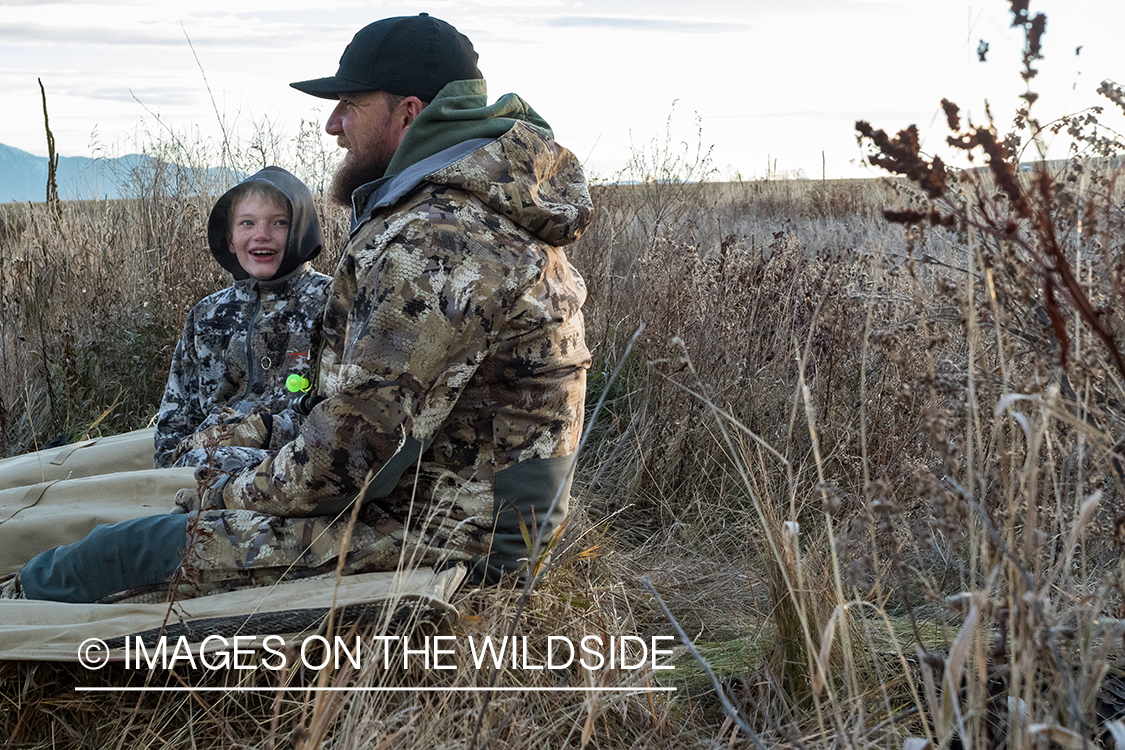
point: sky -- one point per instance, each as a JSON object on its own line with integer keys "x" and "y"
{"x": 766, "y": 87}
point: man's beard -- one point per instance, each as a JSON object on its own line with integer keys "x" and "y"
{"x": 353, "y": 173}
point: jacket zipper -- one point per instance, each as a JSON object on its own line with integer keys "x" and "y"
{"x": 251, "y": 365}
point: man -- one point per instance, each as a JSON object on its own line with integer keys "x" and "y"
{"x": 452, "y": 371}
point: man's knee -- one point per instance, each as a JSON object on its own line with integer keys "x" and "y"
{"x": 111, "y": 558}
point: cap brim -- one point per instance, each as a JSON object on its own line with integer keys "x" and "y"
{"x": 331, "y": 87}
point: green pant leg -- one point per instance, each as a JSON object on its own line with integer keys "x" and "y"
{"x": 51, "y": 514}
{"x": 112, "y": 558}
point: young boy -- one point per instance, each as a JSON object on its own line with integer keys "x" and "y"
{"x": 237, "y": 348}
{"x": 240, "y": 345}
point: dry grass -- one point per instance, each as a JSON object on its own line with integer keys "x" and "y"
{"x": 868, "y": 465}
{"x": 773, "y": 456}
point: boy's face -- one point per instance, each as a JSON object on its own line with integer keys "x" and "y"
{"x": 259, "y": 228}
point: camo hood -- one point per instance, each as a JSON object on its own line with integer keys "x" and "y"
{"x": 503, "y": 154}
{"x": 306, "y": 238}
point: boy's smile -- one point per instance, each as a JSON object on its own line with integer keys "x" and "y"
{"x": 259, "y": 229}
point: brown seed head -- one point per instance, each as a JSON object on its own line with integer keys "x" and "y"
{"x": 952, "y": 114}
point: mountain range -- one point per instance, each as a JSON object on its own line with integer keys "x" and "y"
{"x": 23, "y": 176}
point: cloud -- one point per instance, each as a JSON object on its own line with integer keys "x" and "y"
{"x": 149, "y": 96}
{"x": 34, "y": 34}
{"x": 164, "y": 35}
{"x": 151, "y": 90}
{"x": 41, "y": 4}
{"x": 873, "y": 116}
{"x": 637, "y": 23}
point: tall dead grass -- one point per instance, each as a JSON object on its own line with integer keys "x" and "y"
{"x": 92, "y": 300}
{"x": 871, "y": 467}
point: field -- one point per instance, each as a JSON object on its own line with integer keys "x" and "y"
{"x": 867, "y": 464}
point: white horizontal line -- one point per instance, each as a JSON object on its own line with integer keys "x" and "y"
{"x": 182, "y": 689}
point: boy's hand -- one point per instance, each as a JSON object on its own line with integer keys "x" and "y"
{"x": 244, "y": 430}
{"x": 188, "y": 501}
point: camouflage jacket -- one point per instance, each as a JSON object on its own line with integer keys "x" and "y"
{"x": 237, "y": 348}
{"x": 240, "y": 344}
{"x": 454, "y": 361}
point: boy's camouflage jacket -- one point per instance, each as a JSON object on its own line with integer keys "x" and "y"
{"x": 240, "y": 344}
{"x": 453, "y": 370}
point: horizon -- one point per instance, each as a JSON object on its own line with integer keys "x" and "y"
{"x": 614, "y": 84}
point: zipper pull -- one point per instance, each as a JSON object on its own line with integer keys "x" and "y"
{"x": 297, "y": 384}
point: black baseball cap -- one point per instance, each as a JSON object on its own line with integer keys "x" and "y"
{"x": 407, "y": 55}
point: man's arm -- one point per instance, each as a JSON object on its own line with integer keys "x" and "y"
{"x": 415, "y": 318}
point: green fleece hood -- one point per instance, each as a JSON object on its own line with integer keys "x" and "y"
{"x": 458, "y": 113}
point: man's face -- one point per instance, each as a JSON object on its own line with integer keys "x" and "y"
{"x": 370, "y": 130}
